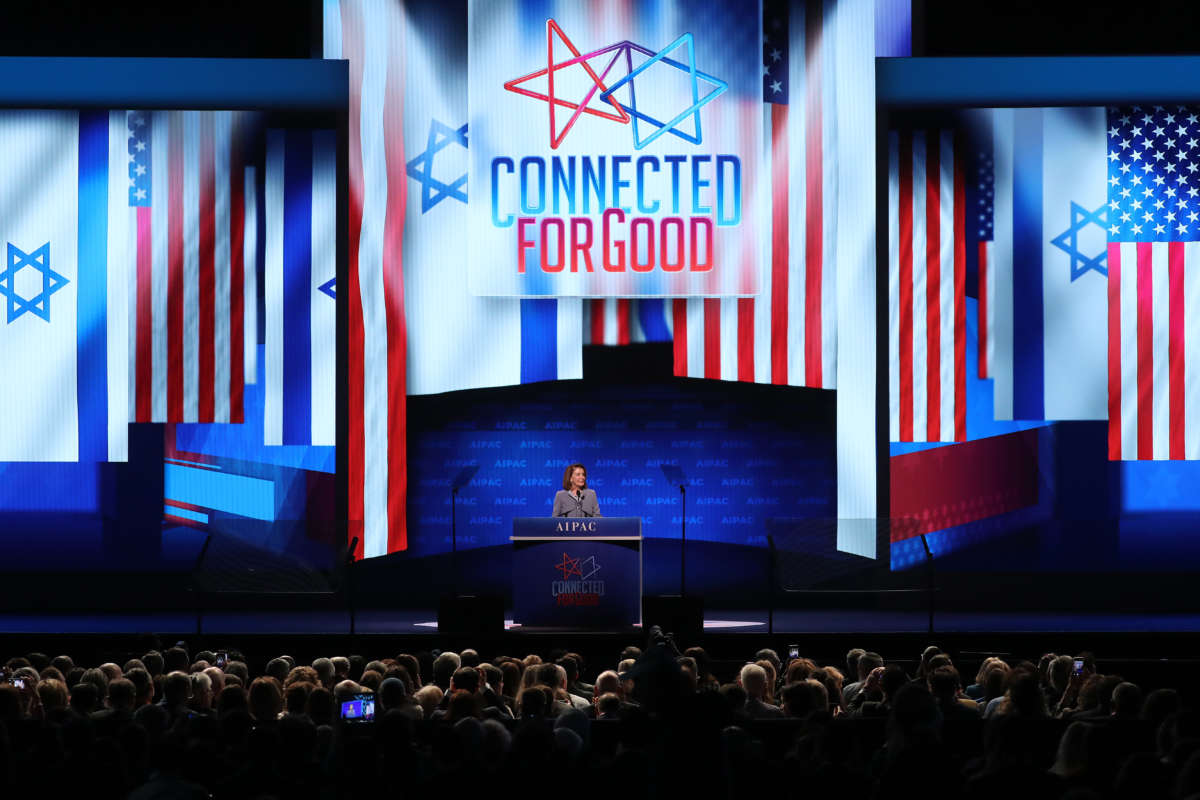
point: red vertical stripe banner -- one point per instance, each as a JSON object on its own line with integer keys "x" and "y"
{"x": 624, "y": 325}
{"x": 143, "y": 366}
{"x": 393, "y": 288}
{"x": 237, "y": 275}
{"x": 814, "y": 235}
{"x": 984, "y": 332}
{"x": 905, "y": 281}
{"x": 206, "y": 296}
{"x": 712, "y": 338}
{"x": 1114, "y": 351}
{"x": 679, "y": 337}
{"x": 745, "y": 340}
{"x": 352, "y": 33}
{"x": 779, "y": 246}
{"x": 933, "y": 286}
{"x": 175, "y": 268}
{"x": 960, "y": 293}
{"x": 1145, "y": 350}
{"x": 1178, "y": 413}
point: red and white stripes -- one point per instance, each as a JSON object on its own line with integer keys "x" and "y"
{"x": 187, "y": 350}
{"x": 986, "y": 308}
{"x": 1153, "y": 350}
{"x": 787, "y": 334}
{"x": 926, "y": 277}
{"x": 371, "y": 36}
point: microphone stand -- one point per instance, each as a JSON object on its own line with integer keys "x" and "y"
{"x": 682, "y": 540}
{"x": 460, "y": 480}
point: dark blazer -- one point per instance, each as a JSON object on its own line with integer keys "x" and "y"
{"x": 566, "y": 504}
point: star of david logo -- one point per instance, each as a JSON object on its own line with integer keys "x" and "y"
{"x": 569, "y": 566}
{"x": 697, "y": 101}
{"x": 329, "y": 288}
{"x": 39, "y": 304}
{"x": 1068, "y": 241}
{"x": 622, "y": 114}
{"x": 434, "y": 191}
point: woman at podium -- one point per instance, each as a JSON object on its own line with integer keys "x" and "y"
{"x": 575, "y": 499}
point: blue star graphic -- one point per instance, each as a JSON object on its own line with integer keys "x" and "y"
{"x": 39, "y": 304}
{"x": 434, "y": 191}
{"x": 329, "y": 287}
{"x": 693, "y": 110}
{"x": 1068, "y": 241}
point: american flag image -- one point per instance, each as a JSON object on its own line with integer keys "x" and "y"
{"x": 786, "y": 334}
{"x": 186, "y": 189}
{"x": 926, "y": 286}
{"x": 1153, "y": 282}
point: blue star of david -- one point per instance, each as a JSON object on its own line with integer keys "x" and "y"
{"x": 39, "y": 304}
{"x": 1068, "y": 241}
{"x": 329, "y": 287}
{"x": 420, "y": 168}
{"x": 693, "y": 110}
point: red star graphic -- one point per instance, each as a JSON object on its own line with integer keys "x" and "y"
{"x": 557, "y": 137}
{"x": 569, "y": 567}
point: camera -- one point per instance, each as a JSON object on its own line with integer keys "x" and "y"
{"x": 359, "y": 708}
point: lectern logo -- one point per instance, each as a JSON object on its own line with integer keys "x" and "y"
{"x": 579, "y": 586}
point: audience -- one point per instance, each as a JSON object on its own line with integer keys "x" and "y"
{"x": 171, "y": 724}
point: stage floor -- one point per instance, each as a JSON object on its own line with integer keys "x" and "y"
{"x": 418, "y": 621}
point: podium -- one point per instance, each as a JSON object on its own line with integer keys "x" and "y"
{"x": 582, "y": 573}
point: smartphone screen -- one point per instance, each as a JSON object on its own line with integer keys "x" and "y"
{"x": 19, "y": 683}
{"x": 222, "y": 660}
{"x": 359, "y": 708}
{"x": 793, "y": 651}
{"x": 1078, "y": 668}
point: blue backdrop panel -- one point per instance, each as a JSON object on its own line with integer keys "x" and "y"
{"x": 749, "y": 453}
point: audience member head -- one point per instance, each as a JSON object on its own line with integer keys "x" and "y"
{"x": 443, "y": 669}
{"x": 111, "y": 671}
{"x": 265, "y": 699}
{"x": 341, "y": 667}
{"x": 98, "y": 679}
{"x": 391, "y": 694}
{"x": 607, "y": 682}
{"x": 295, "y": 696}
{"x": 768, "y": 654}
{"x": 177, "y": 689}
{"x": 753, "y": 679}
{"x": 175, "y": 659}
{"x": 512, "y": 679}
{"x": 52, "y": 694}
{"x": 278, "y": 669}
{"x": 84, "y": 698}
{"x": 122, "y": 695}
{"x": 469, "y": 658}
{"x": 410, "y": 663}
{"x": 202, "y": 691}
{"x": 944, "y": 684}
{"x": 320, "y": 706}
{"x": 154, "y": 662}
{"x": 1160, "y": 704}
{"x": 428, "y": 697}
{"x": 232, "y": 699}
{"x": 324, "y": 669}
{"x": 1126, "y": 700}
{"x": 804, "y": 697}
{"x": 465, "y": 679}
{"x": 867, "y": 662}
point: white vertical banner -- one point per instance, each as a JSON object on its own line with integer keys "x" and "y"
{"x": 39, "y": 200}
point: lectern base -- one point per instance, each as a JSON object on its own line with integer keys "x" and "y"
{"x": 682, "y": 615}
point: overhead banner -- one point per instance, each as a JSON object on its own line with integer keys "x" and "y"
{"x": 615, "y": 148}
